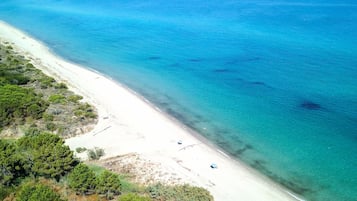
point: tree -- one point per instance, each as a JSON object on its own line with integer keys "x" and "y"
{"x": 48, "y": 155}
{"x": 11, "y": 163}
{"x": 133, "y": 197}
{"x": 18, "y": 102}
{"x": 8, "y": 77}
{"x": 82, "y": 179}
{"x": 53, "y": 162}
{"x": 37, "y": 192}
{"x": 108, "y": 184}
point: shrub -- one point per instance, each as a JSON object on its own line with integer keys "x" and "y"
{"x": 60, "y": 130}
{"x": 75, "y": 98}
{"x": 82, "y": 179}
{"x": 95, "y": 154}
{"x": 133, "y": 197}
{"x": 47, "y": 117}
{"x": 99, "y": 152}
{"x": 81, "y": 149}
{"x": 5, "y": 191}
{"x": 61, "y": 86}
{"x": 13, "y": 78}
{"x": 35, "y": 111}
{"x": 78, "y": 113}
{"x": 57, "y": 98}
{"x": 32, "y": 131}
{"x": 50, "y": 126}
{"x": 37, "y": 192}
{"x": 85, "y": 110}
{"x": 108, "y": 184}
{"x": 179, "y": 192}
{"x": 46, "y": 82}
{"x": 90, "y": 115}
{"x": 29, "y": 65}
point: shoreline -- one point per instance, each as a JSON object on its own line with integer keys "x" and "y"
{"x": 132, "y": 124}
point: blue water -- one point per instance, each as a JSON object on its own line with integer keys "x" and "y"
{"x": 273, "y": 83}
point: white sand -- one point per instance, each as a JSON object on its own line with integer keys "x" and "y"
{"x": 128, "y": 124}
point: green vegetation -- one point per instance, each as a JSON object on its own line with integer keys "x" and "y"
{"x": 81, "y": 149}
{"x": 60, "y": 86}
{"x": 179, "y": 192}
{"x": 44, "y": 155}
{"x": 37, "y": 192}
{"x": 12, "y": 163}
{"x": 17, "y": 103}
{"x": 85, "y": 111}
{"x": 48, "y": 154}
{"x": 126, "y": 185}
{"x": 12, "y": 78}
{"x": 95, "y": 154}
{"x": 32, "y": 131}
{"x": 46, "y": 82}
{"x": 57, "y": 98}
{"x": 108, "y": 184}
{"x": 34, "y": 155}
{"x": 29, "y": 98}
{"x": 5, "y": 191}
{"x": 75, "y": 98}
{"x": 82, "y": 180}
{"x": 47, "y": 117}
{"x": 25, "y": 161}
{"x": 133, "y": 197}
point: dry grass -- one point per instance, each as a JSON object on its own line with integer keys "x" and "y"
{"x": 140, "y": 170}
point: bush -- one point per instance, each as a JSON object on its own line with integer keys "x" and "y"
{"x": 37, "y": 192}
{"x": 95, "y": 154}
{"x": 75, "y": 98}
{"x": 108, "y": 184}
{"x": 32, "y": 131}
{"x": 29, "y": 65}
{"x": 85, "y": 110}
{"x": 35, "y": 111}
{"x": 90, "y": 114}
{"x": 50, "y": 126}
{"x": 61, "y": 86}
{"x": 5, "y": 191}
{"x": 179, "y": 192}
{"x": 81, "y": 149}
{"x": 78, "y": 113}
{"x": 46, "y": 82}
{"x": 82, "y": 179}
{"x": 13, "y": 78}
{"x": 60, "y": 130}
{"x": 133, "y": 197}
{"x": 47, "y": 117}
{"x": 57, "y": 98}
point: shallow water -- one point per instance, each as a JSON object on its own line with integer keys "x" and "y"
{"x": 272, "y": 83}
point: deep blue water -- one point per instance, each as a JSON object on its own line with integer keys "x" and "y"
{"x": 273, "y": 83}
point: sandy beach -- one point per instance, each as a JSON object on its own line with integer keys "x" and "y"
{"x": 130, "y": 125}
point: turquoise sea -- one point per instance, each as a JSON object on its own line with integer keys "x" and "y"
{"x": 273, "y": 83}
